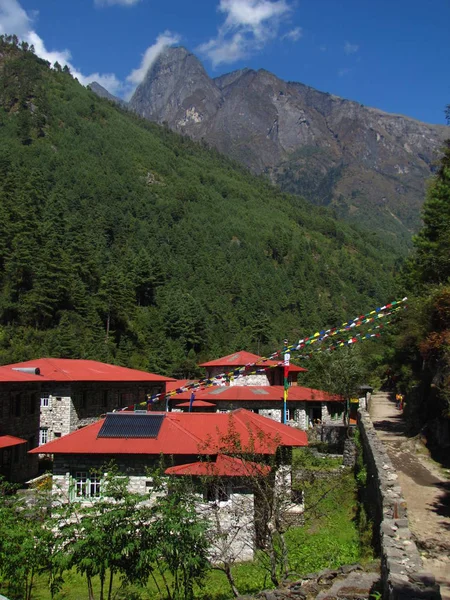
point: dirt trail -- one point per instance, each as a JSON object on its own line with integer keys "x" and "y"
{"x": 426, "y": 489}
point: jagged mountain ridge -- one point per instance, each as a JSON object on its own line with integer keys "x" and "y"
{"x": 369, "y": 165}
{"x": 103, "y": 93}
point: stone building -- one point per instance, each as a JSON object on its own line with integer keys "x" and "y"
{"x": 246, "y": 380}
{"x": 216, "y": 446}
{"x": 19, "y": 420}
{"x": 13, "y": 458}
{"x": 257, "y": 370}
{"x": 74, "y": 393}
{"x": 305, "y": 406}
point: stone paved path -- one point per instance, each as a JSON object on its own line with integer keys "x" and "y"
{"x": 426, "y": 489}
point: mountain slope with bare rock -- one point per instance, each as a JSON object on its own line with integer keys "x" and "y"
{"x": 370, "y": 166}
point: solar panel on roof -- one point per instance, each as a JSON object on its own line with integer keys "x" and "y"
{"x": 123, "y": 425}
{"x": 259, "y": 391}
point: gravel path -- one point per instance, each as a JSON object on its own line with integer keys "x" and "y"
{"x": 426, "y": 489}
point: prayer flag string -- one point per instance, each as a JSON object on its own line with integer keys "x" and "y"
{"x": 317, "y": 338}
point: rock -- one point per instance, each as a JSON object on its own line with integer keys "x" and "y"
{"x": 304, "y": 139}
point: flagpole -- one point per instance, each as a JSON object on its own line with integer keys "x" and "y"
{"x": 287, "y": 357}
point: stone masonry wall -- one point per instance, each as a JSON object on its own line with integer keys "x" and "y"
{"x": 232, "y": 518}
{"x": 402, "y": 570}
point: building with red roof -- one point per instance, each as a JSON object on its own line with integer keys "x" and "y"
{"x": 264, "y": 379}
{"x": 138, "y": 440}
{"x": 246, "y": 380}
{"x": 258, "y": 371}
{"x": 223, "y": 453}
{"x": 47, "y": 398}
{"x": 12, "y": 450}
{"x": 305, "y": 406}
{"x": 19, "y": 418}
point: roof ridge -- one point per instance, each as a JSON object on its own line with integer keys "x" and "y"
{"x": 183, "y": 429}
{"x": 257, "y": 419}
{"x": 56, "y": 368}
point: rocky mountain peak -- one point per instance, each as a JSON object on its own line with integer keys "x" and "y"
{"x": 103, "y": 93}
{"x": 177, "y": 90}
{"x": 369, "y": 165}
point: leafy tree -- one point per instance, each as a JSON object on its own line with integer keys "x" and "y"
{"x": 339, "y": 372}
{"x": 180, "y": 540}
{"x": 25, "y": 541}
{"x": 431, "y": 261}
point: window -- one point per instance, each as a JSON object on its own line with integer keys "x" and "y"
{"x": 127, "y": 398}
{"x": 45, "y": 400}
{"x": 216, "y": 492}
{"x": 43, "y": 435}
{"x": 6, "y": 456}
{"x": 86, "y": 485}
{"x": 57, "y": 434}
{"x": 297, "y": 496}
{"x": 33, "y": 398}
{"x": 18, "y": 405}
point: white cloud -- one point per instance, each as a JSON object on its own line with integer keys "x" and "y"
{"x": 350, "y": 48}
{"x": 294, "y": 34}
{"x": 248, "y": 26}
{"x": 343, "y": 72}
{"x": 162, "y": 41}
{"x": 14, "y": 20}
{"x": 116, "y": 2}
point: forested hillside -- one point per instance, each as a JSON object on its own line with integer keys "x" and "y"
{"x": 124, "y": 242}
{"x": 370, "y": 166}
{"x": 420, "y": 353}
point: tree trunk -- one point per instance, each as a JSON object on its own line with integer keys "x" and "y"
{"x": 273, "y": 559}
{"x": 111, "y": 577}
{"x": 227, "y": 570}
{"x": 284, "y": 555}
{"x": 102, "y": 584}
{"x": 90, "y": 590}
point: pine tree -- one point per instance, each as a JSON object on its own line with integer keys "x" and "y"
{"x": 431, "y": 263}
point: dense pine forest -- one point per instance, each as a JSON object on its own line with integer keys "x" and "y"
{"x": 124, "y": 242}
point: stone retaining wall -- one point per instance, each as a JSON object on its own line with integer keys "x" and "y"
{"x": 401, "y": 566}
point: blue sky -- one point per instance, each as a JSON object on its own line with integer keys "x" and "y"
{"x": 390, "y": 54}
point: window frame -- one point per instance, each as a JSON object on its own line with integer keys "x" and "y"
{"x": 85, "y": 485}
{"x": 43, "y": 430}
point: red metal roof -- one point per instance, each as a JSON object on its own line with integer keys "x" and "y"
{"x": 242, "y": 358}
{"x": 260, "y": 393}
{"x": 223, "y": 466}
{"x": 7, "y": 441}
{"x": 67, "y": 369}
{"x": 185, "y": 433}
{"x": 8, "y": 375}
{"x": 196, "y": 404}
{"x": 174, "y": 384}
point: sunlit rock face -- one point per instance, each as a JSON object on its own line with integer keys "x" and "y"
{"x": 369, "y": 165}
